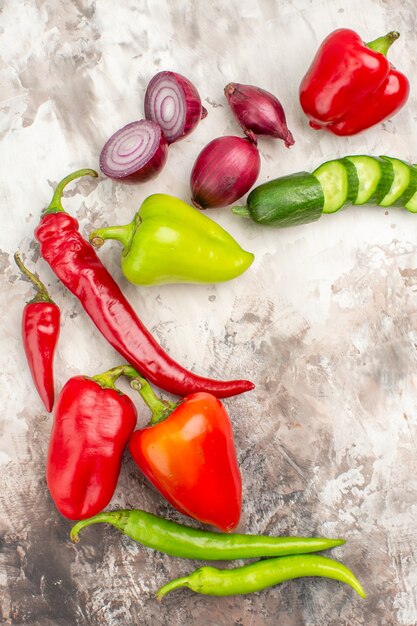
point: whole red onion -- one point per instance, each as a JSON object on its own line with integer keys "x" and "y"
{"x": 135, "y": 153}
{"x": 258, "y": 112}
{"x": 173, "y": 102}
{"x": 224, "y": 171}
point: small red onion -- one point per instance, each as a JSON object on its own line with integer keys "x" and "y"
{"x": 174, "y": 103}
{"x": 135, "y": 153}
{"x": 258, "y": 112}
{"x": 224, "y": 171}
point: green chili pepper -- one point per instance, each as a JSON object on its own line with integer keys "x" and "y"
{"x": 191, "y": 543}
{"x": 169, "y": 241}
{"x": 260, "y": 575}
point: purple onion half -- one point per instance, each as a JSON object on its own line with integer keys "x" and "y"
{"x": 173, "y": 102}
{"x": 135, "y": 153}
{"x": 224, "y": 171}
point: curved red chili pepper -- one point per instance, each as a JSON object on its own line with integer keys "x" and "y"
{"x": 75, "y": 262}
{"x": 92, "y": 424}
{"x": 40, "y": 332}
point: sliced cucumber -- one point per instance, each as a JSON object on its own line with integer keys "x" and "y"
{"x": 339, "y": 182}
{"x": 411, "y": 205}
{"x": 403, "y": 186}
{"x": 285, "y": 201}
{"x": 375, "y": 178}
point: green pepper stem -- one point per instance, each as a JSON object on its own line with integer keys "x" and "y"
{"x": 160, "y": 409}
{"x": 383, "y": 44}
{"x": 55, "y": 206}
{"x": 115, "y": 518}
{"x": 120, "y": 233}
{"x": 42, "y": 294}
{"x": 107, "y": 379}
{"x": 242, "y": 211}
{"x": 173, "y": 584}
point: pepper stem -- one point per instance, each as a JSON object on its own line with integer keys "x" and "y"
{"x": 173, "y": 584}
{"x": 42, "y": 294}
{"x": 242, "y": 211}
{"x": 108, "y": 378}
{"x": 55, "y": 206}
{"x": 160, "y": 409}
{"x": 383, "y": 44}
{"x": 120, "y": 233}
{"x": 115, "y": 518}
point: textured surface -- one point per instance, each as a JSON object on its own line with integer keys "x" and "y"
{"x": 324, "y": 321}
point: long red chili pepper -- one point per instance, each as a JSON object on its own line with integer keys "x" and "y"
{"x": 77, "y": 265}
{"x": 40, "y": 332}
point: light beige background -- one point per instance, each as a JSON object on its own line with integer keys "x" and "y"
{"x": 324, "y": 321}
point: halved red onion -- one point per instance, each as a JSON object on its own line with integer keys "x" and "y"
{"x": 258, "y": 112}
{"x": 173, "y": 102}
{"x": 224, "y": 171}
{"x": 135, "y": 153}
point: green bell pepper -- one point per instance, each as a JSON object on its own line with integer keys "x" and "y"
{"x": 168, "y": 241}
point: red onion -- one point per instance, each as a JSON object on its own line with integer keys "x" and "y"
{"x": 224, "y": 171}
{"x": 136, "y": 152}
{"x": 258, "y": 112}
{"x": 173, "y": 102}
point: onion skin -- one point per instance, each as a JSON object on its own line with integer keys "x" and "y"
{"x": 150, "y": 168}
{"x": 224, "y": 171}
{"x": 193, "y": 110}
{"x": 258, "y": 112}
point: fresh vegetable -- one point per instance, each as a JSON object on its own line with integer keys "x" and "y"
{"x": 224, "y": 171}
{"x": 350, "y": 85}
{"x": 359, "y": 179}
{"x": 40, "y": 333}
{"x": 135, "y": 153}
{"x": 169, "y": 241}
{"x": 173, "y": 102}
{"x": 258, "y": 112}
{"x": 77, "y": 265}
{"x": 187, "y": 452}
{"x": 191, "y": 543}
{"x": 260, "y": 575}
{"x": 92, "y": 424}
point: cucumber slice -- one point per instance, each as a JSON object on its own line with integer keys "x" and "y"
{"x": 375, "y": 178}
{"x": 353, "y": 181}
{"x": 285, "y": 201}
{"x": 411, "y": 205}
{"x": 404, "y": 184}
{"x": 339, "y": 183}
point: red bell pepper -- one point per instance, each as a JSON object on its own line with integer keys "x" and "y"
{"x": 92, "y": 424}
{"x": 350, "y": 85}
{"x": 187, "y": 452}
{"x": 40, "y": 333}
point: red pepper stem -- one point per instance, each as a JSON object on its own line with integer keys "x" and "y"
{"x": 160, "y": 409}
{"x": 383, "y": 44}
{"x": 55, "y": 206}
{"x": 42, "y": 294}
